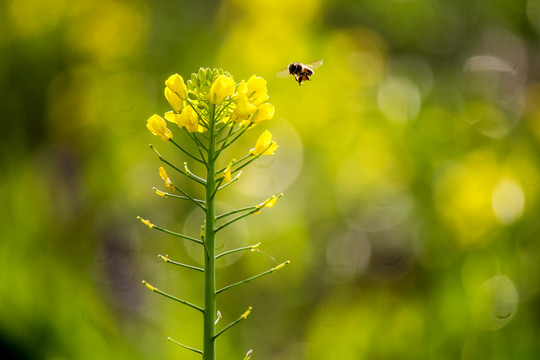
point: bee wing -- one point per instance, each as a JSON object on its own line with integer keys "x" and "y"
{"x": 284, "y": 72}
{"x": 314, "y": 64}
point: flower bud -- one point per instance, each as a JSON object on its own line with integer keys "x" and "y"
{"x": 158, "y": 127}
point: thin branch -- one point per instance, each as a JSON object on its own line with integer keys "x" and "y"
{"x": 156, "y": 290}
{"x": 242, "y": 317}
{"x": 202, "y": 182}
{"x": 236, "y": 162}
{"x": 192, "y": 175}
{"x": 227, "y": 144}
{"x": 221, "y": 216}
{"x": 187, "y": 153}
{"x": 236, "y": 219}
{"x": 270, "y": 271}
{"x": 185, "y": 346}
{"x": 176, "y": 234}
{"x": 167, "y": 260}
{"x": 166, "y": 194}
{"x": 250, "y": 247}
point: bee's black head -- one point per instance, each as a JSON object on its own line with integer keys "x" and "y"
{"x": 293, "y": 68}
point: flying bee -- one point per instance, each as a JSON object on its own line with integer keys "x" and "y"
{"x": 301, "y": 72}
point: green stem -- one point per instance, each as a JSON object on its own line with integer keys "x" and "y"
{"x": 209, "y": 346}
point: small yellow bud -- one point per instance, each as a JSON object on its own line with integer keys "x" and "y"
{"x": 146, "y": 222}
{"x": 221, "y": 88}
{"x": 164, "y": 258}
{"x": 158, "y": 127}
{"x": 280, "y": 266}
{"x": 149, "y": 286}
{"x": 246, "y": 314}
{"x": 255, "y": 247}
{"x": 160, "y": 193}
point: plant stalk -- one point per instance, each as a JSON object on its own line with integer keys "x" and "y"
{"x": 209, "y": 239}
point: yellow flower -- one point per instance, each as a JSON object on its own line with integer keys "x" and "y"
{"x": 264, "y": 145}
{"x": 176, "y": 92}
{"x": 176, "y": 84}
{"x": 189, "y": 119}
{"x": 172, "y": 117}
{"x": 165, "y": 178}
{"x": 158, "y": 127}
{"x": 263, "y": 113}
{"x": 221, "y": 88}
{"x": 243, "y": 108}
{"x": 256, "y": 90}
{"x": 173, "y": 99}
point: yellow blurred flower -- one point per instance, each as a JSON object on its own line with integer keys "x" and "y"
{"x": 264, "y": 145}
{"x": 227, "y": 173}
{"x": 263, "y": 113}
{"x": 246, "y": 314}
{"x": 165, "y": 177}
{"x": 221, "y": 88}
{"x": 158, "y": 127}
{"x": 271, "y": 201}
{"x": 146, "y": 222}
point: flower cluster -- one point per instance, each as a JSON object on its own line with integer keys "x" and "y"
{"x": 243, "y": 104}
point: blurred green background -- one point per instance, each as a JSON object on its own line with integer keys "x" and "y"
{"x": 410, "y": 167}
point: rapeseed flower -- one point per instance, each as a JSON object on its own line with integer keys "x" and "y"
{"x": 264, "y": 145}
{"x": 221, "y": 88}
{"x": 158, "y": 127}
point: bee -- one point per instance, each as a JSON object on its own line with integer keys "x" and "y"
{"x": 301, "y": 72}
